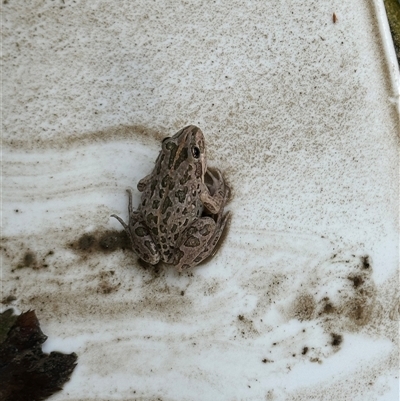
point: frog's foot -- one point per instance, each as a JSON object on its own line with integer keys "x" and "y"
{"x": 199, "y": 241}
{"x": 141, "y": 241}
{"x": 130, "y": 208}
{"x": 143, "y": 183}
{"x": 218, "y": 193}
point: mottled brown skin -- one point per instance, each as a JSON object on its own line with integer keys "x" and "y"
{"x": 170, "y": 223}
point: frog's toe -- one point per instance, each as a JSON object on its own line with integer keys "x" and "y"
{"x": 121, "y": 221}
{"x": 149, "y": 257}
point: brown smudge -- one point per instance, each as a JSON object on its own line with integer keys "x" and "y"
{"x": 101, "y": 241}
{"x": 365, "y": 262}
{"x": 337, "y": 339}
{"x": 123, "y": 133}
{"x": 29, "y": 259}
{"x": 7, "y": 300}
{"x": 304, "y": 307}
{"x": 357, "y": 280}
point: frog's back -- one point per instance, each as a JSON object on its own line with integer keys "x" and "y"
{"x": 171, "y": 199}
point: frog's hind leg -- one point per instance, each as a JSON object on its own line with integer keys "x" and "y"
{"x": 210, "y": 248}
{"x": 199, "y": 241}
{"x": 218, "y": 192}
{"x": 139, "y": 235}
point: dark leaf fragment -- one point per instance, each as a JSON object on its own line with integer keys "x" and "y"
{"x": 26, "y": 373}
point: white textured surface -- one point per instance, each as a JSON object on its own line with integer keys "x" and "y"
{"x": 300, "y": 115}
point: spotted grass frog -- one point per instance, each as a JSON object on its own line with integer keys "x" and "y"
{"x": 180, "y": 217}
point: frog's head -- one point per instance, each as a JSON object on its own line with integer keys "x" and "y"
{"x": 187, "y": 148}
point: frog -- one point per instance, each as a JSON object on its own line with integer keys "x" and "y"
{"x": 180, "y": 218}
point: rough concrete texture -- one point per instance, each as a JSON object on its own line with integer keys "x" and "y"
{"x": 301, "y": 300}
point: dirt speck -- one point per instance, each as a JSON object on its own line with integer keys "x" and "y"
{"x": 337, "y": 339}
{"x": 8, "y": 299}
{"x": 328, "y": 306}
{"x": 266, "y": 360}
{"x": 357, "y": 281}
{"x": 29, "y": 259}
{"x": 365, "y": 262}
{"x": 304, "y": 351}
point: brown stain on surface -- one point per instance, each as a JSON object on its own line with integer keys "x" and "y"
{"x": 246, "y": 327}
{"x": 304, "y": 307}
{"x": 100, "y": 241}
{"x": 67, "y": 142}
{"x": 32, "y": 261}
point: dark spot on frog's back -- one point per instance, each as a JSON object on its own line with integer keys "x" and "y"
{"x": 151, "y": 218}
{"x": 166, "y": 204}
{"x": 156, "y": 204}
{"x": 141, "y": 232}
{"x": 167, "y": 216}
{"x": 181, "y": 194}
{"x": 167, "y": 181}
{"x": 186, "y": 176}
{"x": 153, "y": 186}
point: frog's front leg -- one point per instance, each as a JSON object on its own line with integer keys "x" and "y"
{"x": 199, "y": 241}
{"x": 139, "y": 235}
{"x": 144, "y": 182}
{"x": 215, "y": 195}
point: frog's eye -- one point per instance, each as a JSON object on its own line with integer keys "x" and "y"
{"x": 196, "y": 152}
{"x": 166, "y": 139}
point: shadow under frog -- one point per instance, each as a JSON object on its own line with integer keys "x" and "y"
{"x": 180, "y": 218}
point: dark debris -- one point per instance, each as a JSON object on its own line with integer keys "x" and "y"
{"x": 26, "y": 373}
